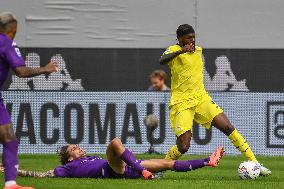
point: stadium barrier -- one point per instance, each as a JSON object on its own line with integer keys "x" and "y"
{"x": 44, "y": 121}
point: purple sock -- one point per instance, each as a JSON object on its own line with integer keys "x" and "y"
{"x": 10, "y": 160}
{"x": 129, "y": 158}
{"x": 183, "y": 166}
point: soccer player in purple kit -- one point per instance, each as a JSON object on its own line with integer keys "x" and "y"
{"x": 10, "y": 57}
{"x": 120, "y": 163}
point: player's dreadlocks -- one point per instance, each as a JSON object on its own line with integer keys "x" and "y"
{"x": 184, "y": 29}
{"x": 63, "y": 154}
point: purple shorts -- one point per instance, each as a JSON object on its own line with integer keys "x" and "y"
{"x": 4, "y": 115}
{"x": 130, "y": 172}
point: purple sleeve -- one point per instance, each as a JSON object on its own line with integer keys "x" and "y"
{"x": 14, "y": 57}
{"x": 61, "y": 171}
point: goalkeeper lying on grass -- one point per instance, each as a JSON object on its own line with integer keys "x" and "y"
{"x": 120, "y": 163}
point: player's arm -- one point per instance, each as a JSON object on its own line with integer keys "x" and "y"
{"x": 37, "y": 174}
{"x": 14, "y": 58}
{"x": 166, "y": 57}
{"x": 25, "y": 173}
{"x": 23, "y": 71}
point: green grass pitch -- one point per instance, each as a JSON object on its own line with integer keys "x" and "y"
{"x": 224, "y": 176}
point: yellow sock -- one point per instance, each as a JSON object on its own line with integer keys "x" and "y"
{"x": 173, "y": 153}
{"x": 241, "y": 144}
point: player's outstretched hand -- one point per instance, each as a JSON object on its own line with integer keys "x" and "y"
{"x": 51, "y": 67}
{"x": 1, "y": 168}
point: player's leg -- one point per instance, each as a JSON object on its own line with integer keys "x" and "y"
{"x": 10, "y": 149}
{"x": 223, "y": 124}
{"x": 182, "y": 146}
{"x": 209, "y": 113}
{"x": 118, "y": 156}
{"x": 157, "y": 165}
{"x": 181, "y": 123}
{"x": 10, "y": 156}
{"x": 114, "y": 152}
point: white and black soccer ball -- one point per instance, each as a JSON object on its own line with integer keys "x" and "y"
{"x": 249, "y": 170}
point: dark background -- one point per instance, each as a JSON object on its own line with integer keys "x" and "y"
{"x": 128, "y": 69}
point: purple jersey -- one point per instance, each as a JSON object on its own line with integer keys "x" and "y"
{"x": 92, "y": 167}
{"x": 10, "y": 57}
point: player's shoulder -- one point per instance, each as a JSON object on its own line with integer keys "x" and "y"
{"x": 172, "y": 48}
{"x": 5, "y": 40}
{"x": 175, "y": 47}
{"x": 61, "y": 171}
{"x": 7, "y": 44}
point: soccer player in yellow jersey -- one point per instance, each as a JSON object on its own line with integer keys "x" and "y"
{"x": 191, "y": 102}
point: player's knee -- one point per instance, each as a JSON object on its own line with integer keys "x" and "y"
{"x": 7, "y": 137}
{"x": 115, "y": 142}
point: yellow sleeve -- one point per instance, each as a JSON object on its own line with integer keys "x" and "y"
{"x": 168, "y": 50}
{"x": 171, "y": 49}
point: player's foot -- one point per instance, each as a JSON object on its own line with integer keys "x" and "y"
{"x": 264, "y": 171}
{"x": 216, "y": 156}
{"x": 147, "y": 174}
{"x": 15, "y": 186}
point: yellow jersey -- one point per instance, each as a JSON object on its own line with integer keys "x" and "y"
{"x": 186, "y": 75}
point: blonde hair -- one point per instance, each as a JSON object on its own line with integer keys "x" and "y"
{"x": 6, "y": 18}
{"x": 160, "y": 74}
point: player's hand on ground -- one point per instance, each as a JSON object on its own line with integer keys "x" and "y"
{"x": 147, "y": 175}
{"x": 51, "y": 67}
{"x": 1, "y": 168}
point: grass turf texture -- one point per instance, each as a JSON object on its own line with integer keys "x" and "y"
{"x": 224, "y": 176}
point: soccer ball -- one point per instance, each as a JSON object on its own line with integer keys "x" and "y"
{"x": 249, "y": 170}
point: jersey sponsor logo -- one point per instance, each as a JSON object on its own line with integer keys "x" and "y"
{"x": 59, "y": 81}
{"x": 18, "y": 52}
{"x": 178, "y": 128}
{"x": 88, "y": 160}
